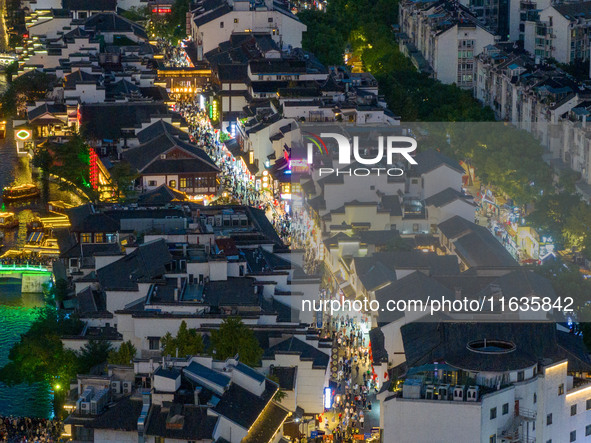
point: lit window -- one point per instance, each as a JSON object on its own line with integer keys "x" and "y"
{"x": 85, "y": 238}
{"x": 172, "y": 183}
{"x": 99, "y": 238}
{"x": 561, "y": 389}
{"x": 183, "y": 182}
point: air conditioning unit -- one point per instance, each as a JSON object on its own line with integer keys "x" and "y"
{"x": 94, "y": 410}
{"x": 116, "y": 387}
{"x": 85, "y": 407}
{"x": 472, "y": 393}
{"x": 127, "y": 387}
{"x": 458, "y": 393}
{"x": 74, "y": 269}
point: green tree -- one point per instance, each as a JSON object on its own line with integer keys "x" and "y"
{"x": 93, "y": 353}
{"x": 551, "y": 212}
{"x": 567, "y": 281}
{"x": 57, "y": 292}
{"x": 577, "y": 227}
{"x": 124, "y": 355}
{"x": 137, "y": 13}
{"x": 280, "y": 394}
{"x": 39, "y": 356}
{"x": 187, "y": 342}
{"x": 234, "y": 338}
{"x": 71, "y": 162}
{"x": 33, "y": 85}
{"x": 568, "y": 179}
{"x": 122, "y": 178}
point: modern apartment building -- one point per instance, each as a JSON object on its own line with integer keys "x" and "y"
{"x": 449, "y": 37}
{"x": 560, "y": 31}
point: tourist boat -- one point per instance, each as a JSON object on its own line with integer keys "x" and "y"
{"x": 8, "y": 220}
{"x": 20, "y": 192}
{"x": 59, "y": 207}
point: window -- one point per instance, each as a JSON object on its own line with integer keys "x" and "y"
{"x": 520, "y": 376}
{"x": 573, "y": 410}
{"x": 505, "y": 408}
{"x": 415, "y": 227}
{"x": 172, "y": 183}
{"x": 154, "y": 343}
{"x": 85, "y": 237}
{"x": 99, "y": 237}
{"x": 573, "y": 436}
{"x": 535, "y": 398}
{"x": 221, "y": 24}
{"x": 588, "y": 404}
{"x": 415, "y": 181}
{"x": 492, "y": 439}
{"x": 493, "y": 413}
{"x": 549, "y": 441}
{"x": 561, "y": 389}
{"x": 183, "y": 182}
{"x": 151, "y": 182}
{"x": 270, "y": 19}
{"x": 587, "y": 430}
{"x": 548, "y": 419}
{"x": 82, "y": 15}
{"x": 235, "y": 20}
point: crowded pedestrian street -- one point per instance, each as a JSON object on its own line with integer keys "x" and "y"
{"x": 234, "y": 187}
{"x": 352, "y": 412}
{"x": 25, "y": 429}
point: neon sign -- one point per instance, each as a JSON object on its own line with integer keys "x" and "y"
{"x": 23, "y": 134}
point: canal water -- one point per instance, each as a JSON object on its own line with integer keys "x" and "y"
{"x": 17, "y": 310}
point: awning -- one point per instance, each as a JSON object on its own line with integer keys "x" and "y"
{"x": 35, "y": 237}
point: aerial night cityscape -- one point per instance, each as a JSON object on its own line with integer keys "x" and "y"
{"x": 281, "y": 221}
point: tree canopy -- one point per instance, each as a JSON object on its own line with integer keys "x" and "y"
{"x": 234, "y": 338}
{"x": 70, "y": 161}
{"x": 124, "y": 355}
{"x": 40, "y": 356}
{"x": 33, "y": 85}
{"x": 186, "y": 342}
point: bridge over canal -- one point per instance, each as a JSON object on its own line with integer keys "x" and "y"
{"x": 33, "y": 277}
